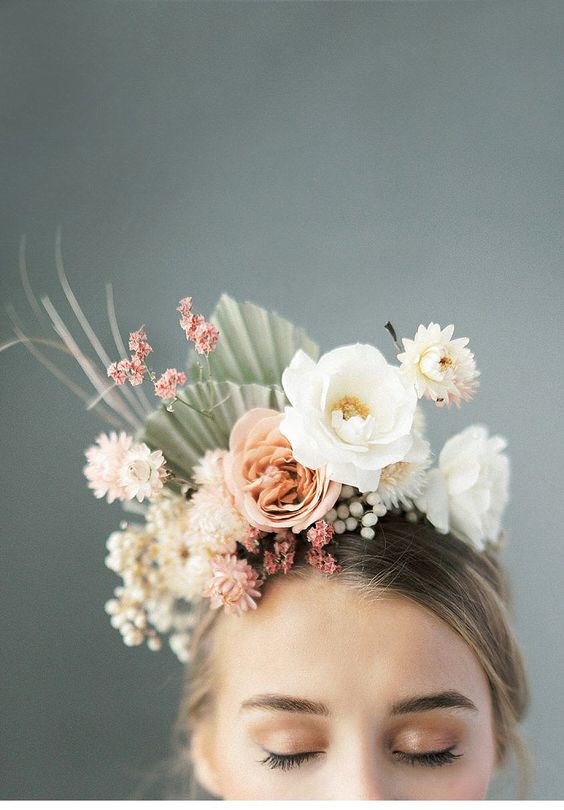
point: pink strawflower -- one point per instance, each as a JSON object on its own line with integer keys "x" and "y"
{"x": 323, "y": 561}
{"x": 116, "y": 372}
{"x": 320, "y": 534}
{"x": 138, "y": 344}
{"x": 233, "y": 584}
{"x": 165, "y": 386}
{"x": 282, "y": 558}
{"x": 104, "y": 463}
{"x": 206, "y": 336}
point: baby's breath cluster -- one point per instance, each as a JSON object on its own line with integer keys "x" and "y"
{"x": 144, "y": 604}
{"x": 132, "y": 553}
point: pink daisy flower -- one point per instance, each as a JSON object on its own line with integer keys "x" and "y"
{"x": 233, "y": 584}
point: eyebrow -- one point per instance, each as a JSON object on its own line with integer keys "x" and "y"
{"x": 419, "y": 703}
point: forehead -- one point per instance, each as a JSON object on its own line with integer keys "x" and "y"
{"x": 317, "y": 638}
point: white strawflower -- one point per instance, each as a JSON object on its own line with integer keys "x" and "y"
{"x": 468, "y": 491}
{"x": 209, "y": 468}
{"x": 403, "y": 481}
{"x": 351, "y": 411}
{"x": 142, "y": 472}
{"x": 215, "y": 525}
{"x": 440, "y": 368}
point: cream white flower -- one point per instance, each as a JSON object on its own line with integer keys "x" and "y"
{"x": 351, "y": 410}
{"x": 184, "y": 571}
{"x": 142, "y": 472}
{"x": 403, "y": 481}
{"x": 468, "y": 491}
{"x": 190, "y": 532}
{"x": 441, "y": 369}
{"x": 209, "y": 468}
{"x": 104, "y": 462}
{"x": 214, "y": 524}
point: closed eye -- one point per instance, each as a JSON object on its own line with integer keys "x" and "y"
{"x": 287, "y": 761}
{"x": 429, "y": 758}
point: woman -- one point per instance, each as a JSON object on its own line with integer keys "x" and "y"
{"x": 341, "y": 607}
{"x": 411, "y": 680}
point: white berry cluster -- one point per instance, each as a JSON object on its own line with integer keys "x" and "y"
{"x": 359, "y": 511}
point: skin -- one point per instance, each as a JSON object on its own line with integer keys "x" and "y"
{"x": 317, "y": 639}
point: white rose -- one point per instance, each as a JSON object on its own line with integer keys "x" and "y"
{"x": 469, "y": 490}
{"x": 351, "y": 410}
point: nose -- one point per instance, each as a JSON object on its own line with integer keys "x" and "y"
{"x": 361, "y": 776}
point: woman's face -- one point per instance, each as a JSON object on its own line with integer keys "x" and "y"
{"x": 323, "y": 696}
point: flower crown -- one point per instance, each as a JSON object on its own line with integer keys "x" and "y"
{"x": 262, "y": 445}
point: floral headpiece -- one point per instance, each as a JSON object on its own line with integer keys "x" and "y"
{"x": 262, "y": 445}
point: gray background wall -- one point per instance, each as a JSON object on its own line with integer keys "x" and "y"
{"x": 342, "y": 163}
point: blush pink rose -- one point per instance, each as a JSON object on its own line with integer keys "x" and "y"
{"x": 268, "y": 486}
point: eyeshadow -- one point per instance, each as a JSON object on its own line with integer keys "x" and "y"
{"x": 426, "y": 734}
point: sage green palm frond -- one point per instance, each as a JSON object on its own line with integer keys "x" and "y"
{"x": 255, "y": 345}
{"x": 184, "y": 435}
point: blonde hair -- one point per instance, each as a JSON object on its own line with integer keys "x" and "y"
{"x": 467, "y": 589}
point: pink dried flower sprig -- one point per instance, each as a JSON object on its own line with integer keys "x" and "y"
{"x": 138, "y": 344}
{"x": 319, "y": 535}
{"x": 165, "y": 386}
{"x": 234, "y": 582}
{"x": 197, "y": 329}
{"x": 282, "y": 558}
{"x": 134, "y": 369}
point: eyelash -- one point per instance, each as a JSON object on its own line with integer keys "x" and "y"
{"x": 431, "y": 758}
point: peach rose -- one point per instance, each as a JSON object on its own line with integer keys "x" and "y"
{"x": 269, "y": 487}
